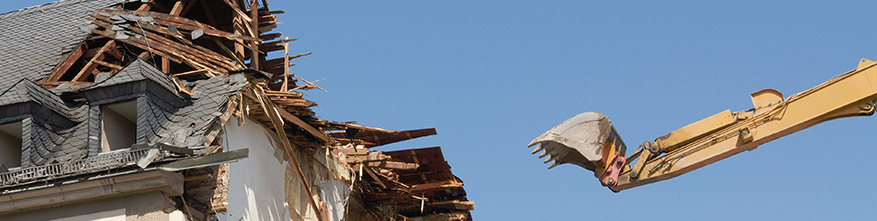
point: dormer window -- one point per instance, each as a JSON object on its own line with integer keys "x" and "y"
{"x": 118, "y": 125}
{"x": 10, "y": 145}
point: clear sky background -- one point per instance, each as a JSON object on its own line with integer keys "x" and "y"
{"x": 493, "y": 75}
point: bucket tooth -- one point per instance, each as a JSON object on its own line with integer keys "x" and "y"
{"x": 543, "y": 154}
{"x": 536, "y": 150}
{"x": 553, "y": 164}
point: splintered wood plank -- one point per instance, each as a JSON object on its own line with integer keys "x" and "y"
{"x": 182, "y": 87}
{"x": 294, "y": 102}
{"x": 91, "y": 65}
{"x": 237, "y": 10}
{"x": 280, "y": 41}
{"x": 183, "y": 23}
{"x": 439, "y": 185}
{"x": 165, "y": 65}
{"x": 307, "y": 127}
{"x": 265, "y": 104}
{"x": 254, "y": 17}
{"x": 284, "y": 93}
{"x": 266, "y": 37}
{"x": 56, "y": 83}
{"x": 284, "y": 60}
{"x": 285, "y": 86}
{"x": 378, "y": 138}
{"x": 195, "y": 72}
{"x": 144, "y": 7}
{"x": 393, "y": 165}
{"x": 267, "y": 28}
{"x": 272, "y": 12}
{"x": 177, "y": 8}
{"x": 176, "y": 52}
{"x": 71, "y": 59}
{"x": 202, "y": 51}
{"x": 110, "y": 65}
{"x": 374, "y": 177}
{"x": 237, "y": 24}
{"x": 240, "y": 62}
{"x": 454, "y": 204}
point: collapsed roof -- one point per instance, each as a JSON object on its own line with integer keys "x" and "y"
{"x": 190, "y": 65}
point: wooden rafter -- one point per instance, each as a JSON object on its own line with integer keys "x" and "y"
{"x": 91, "y": 66}
{"x": 70, "y": 60}
{"x": 254, "y": 17}
{"x": 175, "y": 10}
{"x": 145, "y": 6}
{"x": 307, "y": 127}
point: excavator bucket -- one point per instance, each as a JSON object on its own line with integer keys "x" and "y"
{"x": 588, "y": 140}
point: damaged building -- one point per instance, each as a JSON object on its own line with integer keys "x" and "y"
{"x": 173, "y": 110}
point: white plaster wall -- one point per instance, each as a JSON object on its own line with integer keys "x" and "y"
{"x": 256, "y": 183}
{"x": 110, "y": 215}
{"x": 147, "y": 206}
{"x": 335, "y": 195}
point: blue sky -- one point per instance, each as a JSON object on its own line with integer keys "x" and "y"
{"x": 492, "y": 75}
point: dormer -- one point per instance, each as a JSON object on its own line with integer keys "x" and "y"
{"x": 122, "y": 106}
{"x": 33, "y": 125}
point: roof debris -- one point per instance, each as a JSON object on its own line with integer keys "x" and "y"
{"x": 206, "y": 66}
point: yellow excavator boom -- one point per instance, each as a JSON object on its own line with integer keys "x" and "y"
{"x": 714, "y": 138}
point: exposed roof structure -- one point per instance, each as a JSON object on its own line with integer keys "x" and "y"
{"x": 36, "y": 38}
{"x": 189, "y": 65}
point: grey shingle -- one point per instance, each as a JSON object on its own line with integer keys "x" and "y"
{"x": 35, "y": 39}
{"x": 25, "y": 91}
{"x": 136, "y": 71}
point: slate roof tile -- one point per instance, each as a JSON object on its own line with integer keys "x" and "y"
{"x": 35, "y": 40}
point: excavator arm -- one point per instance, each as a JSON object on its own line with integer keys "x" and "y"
{"x": 582, "y": 141}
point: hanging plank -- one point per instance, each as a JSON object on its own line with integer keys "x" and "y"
{"x": 265, "y": 104}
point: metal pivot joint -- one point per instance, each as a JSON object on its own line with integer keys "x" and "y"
{"x": 610, "y": 176}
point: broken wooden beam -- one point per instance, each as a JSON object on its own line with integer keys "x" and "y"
{"x": 254, "y": 16}
{"x": 307, "y": 127}
{"x": 265, "y": 104}
{"x": 371, "y": 156}
{"x": 432, "y": 186}
{"x": 195, "y": 72}
{"x": 378, "y": 138}
{"x": 393, "y": 165}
